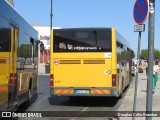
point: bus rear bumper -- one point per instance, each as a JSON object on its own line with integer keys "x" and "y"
{"x": 83, "y": 92}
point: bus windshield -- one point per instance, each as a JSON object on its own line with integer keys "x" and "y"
{"x": 82, "y": 40}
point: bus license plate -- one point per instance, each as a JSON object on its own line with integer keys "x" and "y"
{"x": 82, "y": 91}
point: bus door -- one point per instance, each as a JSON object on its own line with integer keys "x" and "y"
{"x": 13, "y": 82}
{"x": 4, "y": 66}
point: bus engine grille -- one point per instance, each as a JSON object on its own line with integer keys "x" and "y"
{"x": 70, "y": 62}
{"x": 93, "y": 61}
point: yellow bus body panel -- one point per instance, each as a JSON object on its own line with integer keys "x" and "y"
{"x": 4, "y": 77}
{"x": 82, "y": 70}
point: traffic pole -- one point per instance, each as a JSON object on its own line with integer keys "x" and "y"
{"x": 136, "y": 79}
{"x": 150, "y": 58}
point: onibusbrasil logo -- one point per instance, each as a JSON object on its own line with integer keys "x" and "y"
{"x": 20, "y": 115}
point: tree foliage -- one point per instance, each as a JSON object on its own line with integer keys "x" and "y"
{"x": 144, "y": 54}
{"x": 25, "y": 51}
{"x": 133, "y": 55}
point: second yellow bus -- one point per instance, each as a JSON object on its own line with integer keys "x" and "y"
{"x": 89, "y": 62}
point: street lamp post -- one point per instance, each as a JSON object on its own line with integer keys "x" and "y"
{"x": 51, "y": 15}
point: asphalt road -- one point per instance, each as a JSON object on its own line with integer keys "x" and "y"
{"x": 43, "y": 101}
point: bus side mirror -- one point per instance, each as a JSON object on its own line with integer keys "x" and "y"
{"x": 41, "y": 46}
{"x": 32, "y": 41}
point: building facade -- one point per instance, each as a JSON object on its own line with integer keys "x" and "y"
{"x": 44, "y": 36}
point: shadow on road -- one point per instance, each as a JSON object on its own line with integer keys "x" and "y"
{"x": 24, "y": 106}
{"x": 83, "y": 101}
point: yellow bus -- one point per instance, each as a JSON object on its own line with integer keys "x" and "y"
{"x": 18, "y": 59}
{"x": 89, "y": 62}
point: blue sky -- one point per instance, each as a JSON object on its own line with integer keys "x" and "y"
{"x": 90, "y": 13}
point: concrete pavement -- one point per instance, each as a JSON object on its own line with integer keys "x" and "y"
{"x": 127, "y": 103}
{"x": 42, "y": 69}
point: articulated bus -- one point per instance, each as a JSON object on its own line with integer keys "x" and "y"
{"x": 89, "y": 62}
{"x": 18, "y": 59}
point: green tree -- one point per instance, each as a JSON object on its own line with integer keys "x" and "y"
{"x": 156, "y": 54}
{"x": 133, "y": 55}
{"x": 144, "y": 54}
{"x": 25, "y": 51}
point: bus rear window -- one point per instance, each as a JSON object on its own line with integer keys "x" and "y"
{"x": 82, "y": 40}
{"x": 5, "y": 40}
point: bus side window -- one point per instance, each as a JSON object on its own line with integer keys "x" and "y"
{"x": 5, "y": 39}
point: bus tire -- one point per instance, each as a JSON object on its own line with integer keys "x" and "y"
{"x": 29, "y": 94}
{"x": 29, "y": 97}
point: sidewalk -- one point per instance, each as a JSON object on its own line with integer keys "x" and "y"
{"x": 127, "y": 103}
{"x": 41, "y": 69}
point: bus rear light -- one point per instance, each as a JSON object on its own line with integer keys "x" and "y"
{"x": 51, "y": 77}
{"x": 12, "y": 79}
{"x": 51, "y": 80}
{"x": 113, "y": 80}
{"x": 51, "y": 83}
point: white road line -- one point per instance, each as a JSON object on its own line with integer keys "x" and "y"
{"x": 84, "y": 109}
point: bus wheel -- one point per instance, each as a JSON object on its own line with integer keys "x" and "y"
{"x": 29, "y": 97}
{"x": 29, "y": 94}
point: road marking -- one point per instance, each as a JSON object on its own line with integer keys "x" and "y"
{"x": 84, "y": 109}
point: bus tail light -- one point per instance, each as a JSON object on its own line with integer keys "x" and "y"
{"x": 113, "y": 80}
{"x": 51, "y": 80}
{"x": 12, "y": 79}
